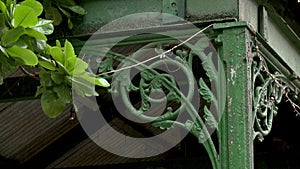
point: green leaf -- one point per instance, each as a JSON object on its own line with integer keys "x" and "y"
{"x": 36, "y": 34}
{"x": 7, "y": 65}
{"x": 3, "y": 27}
{"x": 77, "y": 63}
{"x": 83, "y": 86}
{"x": 69, "y": 50}
{"x": 101, "y": 82}
{"x": 52, "y": 106}
{"x": 57, "y": 54}
{"x": 12, "y": 35}
{"x": 3, "y": 7}
{"x": 64, "y": 93}
{"x": 94, "y": 80}
{"x": 57, "y": 77}
{"x": 70, "y": 24}
{"x": 57, "y": 43}
{"x": 68, "y": 15}
{"x": 25, "y": 16}
{"x": 26, "y": 55}
{"x": 77, "y": 9}
{"x": 40, "y": 45}
{"x": 210, "y": 119}
{"x": 4, "y": 51}
{"x": 53, "y": 14}
{"x": 70, "y": 65}
{"x": 45, "y": 78}
{"x": 47, "y": 65}
{"x": 40, "y": 90}
{"x": 44, "y": 26}
{"x": 35, "y": 5}
{"x": 23, "y": 42}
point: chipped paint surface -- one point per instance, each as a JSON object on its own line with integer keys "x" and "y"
{"x": 232, "y": 75}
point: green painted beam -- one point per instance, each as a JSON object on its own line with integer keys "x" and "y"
{"x": 236, "y": 149}
{"x": 208, "y": 10}
{"x": 264, "y": 20}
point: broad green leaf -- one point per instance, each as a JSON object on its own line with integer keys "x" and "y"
{"x": 57, "y": 43}
{"x": 57, "y": 77}
{"x": 23, "y": 42}
{"x": 68, "y": 15}
{"x": 45, "y": 78}
{"x": 12, "y": 35}
{"x": 35, "y": 5}
{"x": 4, "y": 51}
{"x": 70, "y": 65}
{"x": 3, "y": 7}
{"x": 7, "y": 65}
{"x": 47, "y": 49}
{"x": 40, "y": 45}
{"x": 63, "y": 92}
{"x": 210, "y": 119}
{"x": 36, "y": 34}
{"x": 83, "y": 86}
{"x": 44, "y": 26}
{"x": 40, "y": 90}
{"x": 95, "y": 80}
{"x": 53, "y": 14}
{"x": 47, "y": 64}
{"x": 26, "y": 55}
{"x": 52, "y": 106}
{"x": 70, "y": 24}
{"x": 77, "y": 9}
{"x": 24, "y": 16}
{"x": 57, "y": 54}
{"x": 3, "y": 27}
{"x": 69, "y": 50}
{"x": 101, "y": 82}
{"x": 80, "y": 66}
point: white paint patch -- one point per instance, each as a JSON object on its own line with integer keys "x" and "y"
{"x": 232, "y": 75}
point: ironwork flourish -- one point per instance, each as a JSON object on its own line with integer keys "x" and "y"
{"x": 269, "y": 88}
{"x": 150, "y": 78}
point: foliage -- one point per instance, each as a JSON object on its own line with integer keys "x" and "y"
{"x": 55, "y": 9}
{"x": 24, "y": 43}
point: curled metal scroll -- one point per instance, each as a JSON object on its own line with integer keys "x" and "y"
{"x": 170, "y": 79}
{"x": 268, "y": 91}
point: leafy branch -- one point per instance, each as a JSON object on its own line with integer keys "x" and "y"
{"x": 23, "y": 43}
{"x": 56, "y": 9}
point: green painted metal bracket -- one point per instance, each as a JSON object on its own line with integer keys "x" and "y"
{"x": 174, "y": 7}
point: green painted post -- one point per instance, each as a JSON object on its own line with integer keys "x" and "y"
{"x": 236, "y": 149}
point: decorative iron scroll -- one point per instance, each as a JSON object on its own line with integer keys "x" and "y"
{"x": 176, "y": 79}
{"x": 269, "y": 88}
